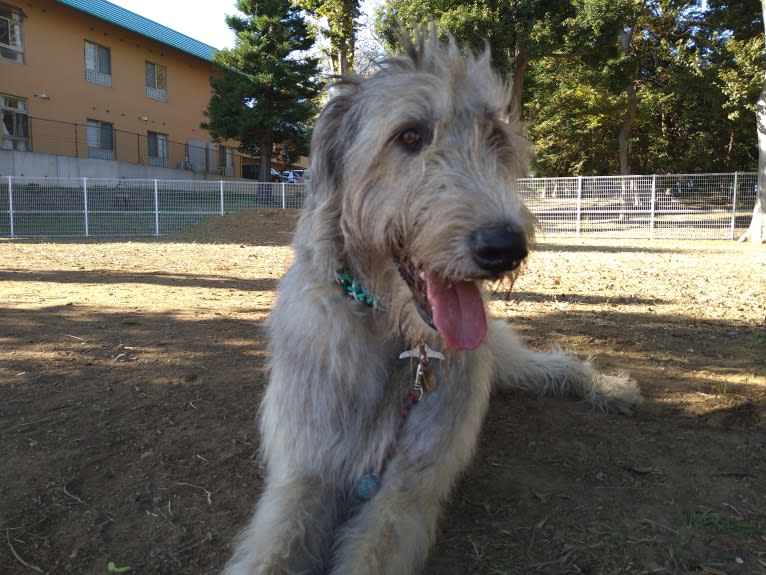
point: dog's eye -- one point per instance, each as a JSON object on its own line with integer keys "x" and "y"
{"x": 411, "y": 139}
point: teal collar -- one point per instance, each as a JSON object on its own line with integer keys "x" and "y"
{"x": 355, "y": 290}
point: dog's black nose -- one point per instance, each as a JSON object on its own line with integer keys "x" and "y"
{"x": 498, "y": 249}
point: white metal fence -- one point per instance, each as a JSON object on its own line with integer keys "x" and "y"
{"x": 701, "y": 206}
{"x": 118, "y": 207}
{"x": 679, "y": 206}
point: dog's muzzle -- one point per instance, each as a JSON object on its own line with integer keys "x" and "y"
{"x": 454, "y": 306}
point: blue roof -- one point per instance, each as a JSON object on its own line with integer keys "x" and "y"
{"x": 140, "y": 25}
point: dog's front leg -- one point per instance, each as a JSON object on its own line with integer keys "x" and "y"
{"x": 290, "y": 531}
{"x": 557, "y": 373}
{"x": 392, "y": 533}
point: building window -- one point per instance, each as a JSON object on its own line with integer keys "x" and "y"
{"x": 158, "y": 149}
{"x": 15, "y": 123}
{"x": 225, "y": 161}
{"x": 156, "y": 81}
{"x": 98, "y": 64}
{"x": 11, "y": 34}
{"x": 100, "y": 140}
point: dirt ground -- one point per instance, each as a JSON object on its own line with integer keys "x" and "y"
{"x": 130, "y": 372}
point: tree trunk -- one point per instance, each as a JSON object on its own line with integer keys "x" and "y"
{"x": 265, "y": 195}
{"x": 342, "y": 61}
{"x": 519, "y": 73}
{"x": 756, "y": 233}
{"x": 623, "y": 138}
{"x": 265, "y": 147}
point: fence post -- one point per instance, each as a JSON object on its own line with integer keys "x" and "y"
{"x": 85, "y": 205}
{"x": 10, "y": 203}
{"x": 653, "y": 205}
{"x": 283, "y": 196}
{"x": 733, "y": 209}
{"x": 221, "y": 197}
{"x": 579, "y": 205}
{"x": 156, "y": 210}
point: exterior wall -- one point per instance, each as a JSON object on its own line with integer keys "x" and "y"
{"x": 34, "y": 165}
{"x": 54, "y": 37}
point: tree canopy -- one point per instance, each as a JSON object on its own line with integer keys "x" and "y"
{"x": 604, "y": 86}
{"x": 338, "y": 24}
{"x": 517, "y": 31}
{"x": 617, "y": 86}
{"x": 265, "y": 96}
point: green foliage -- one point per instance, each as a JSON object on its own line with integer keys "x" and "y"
{"x": 696, "y": 69}
{"x": 265, "y": 96}
{"x": 340, "y": 19}
{"x": 698, "y": 92}
{"x": 513, "y": 28}
{"x": 576, "y": 110}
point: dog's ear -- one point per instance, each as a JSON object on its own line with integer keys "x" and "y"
{"x": 331, "y": 137}
{"x": 318, "y": 233}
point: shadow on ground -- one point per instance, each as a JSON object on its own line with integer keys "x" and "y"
{"x": 130, "y": 437}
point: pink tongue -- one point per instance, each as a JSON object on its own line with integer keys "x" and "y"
{"x": 458, "y": 312}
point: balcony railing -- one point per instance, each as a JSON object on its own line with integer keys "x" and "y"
{"x": 71, "y": 139}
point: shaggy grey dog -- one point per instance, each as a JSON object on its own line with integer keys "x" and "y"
{"x": 383, "y": 358}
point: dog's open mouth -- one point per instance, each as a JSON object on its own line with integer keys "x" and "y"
{"x": 454, "y": 308}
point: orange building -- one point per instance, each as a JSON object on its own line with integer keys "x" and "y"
{"x": 88, "y": 79}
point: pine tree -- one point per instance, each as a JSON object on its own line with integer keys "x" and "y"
{"x": 265, "y": 96}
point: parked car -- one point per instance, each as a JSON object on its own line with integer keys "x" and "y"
{"x": 252, "y": 172}
{"x": 293, "y": 176}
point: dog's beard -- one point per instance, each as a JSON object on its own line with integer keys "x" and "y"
{"x": 454, "y": 308}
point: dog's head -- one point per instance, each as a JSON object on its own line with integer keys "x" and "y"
{"x": 417, "y": 168}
